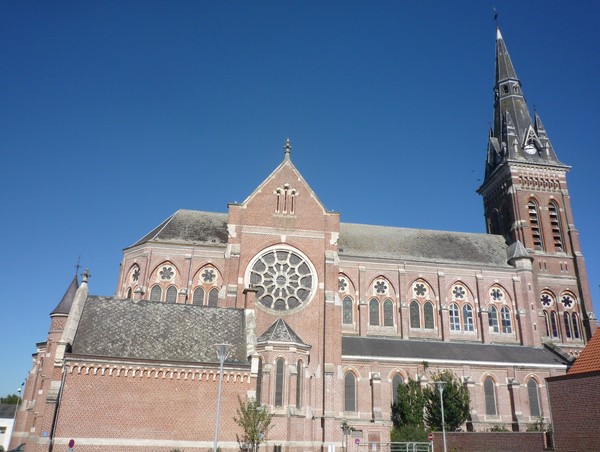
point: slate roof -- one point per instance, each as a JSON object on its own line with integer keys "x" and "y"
{"x": 7, "y": 410}
{"x": 148, "y": 330}
{"x": 589, "y": 359}
{"x": 356, "y": 240}
{"x": 434, "y": 351}
{"x": 64, "y": 306}
{"x": 191, "y": 227}
{"x": 280, "y": 331}
{"x": 421, "y": 245}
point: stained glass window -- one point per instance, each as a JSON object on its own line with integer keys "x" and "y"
{"x": 428, "y": 315}
{"x": 493, "y": 320}
{"x": 388, "y": 313}
{"x": 374, "y": 312}
{"x": 396, "y": 381}
{"x": 468, "y": 323}
{"x": 415, "y": 315}
{"x": 490, "y": 397}
{"x": 575, "y": 326}
{"x": 347, "y": 311}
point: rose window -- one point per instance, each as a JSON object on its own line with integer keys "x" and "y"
{"x": 546, "y": 300}
{"x": 284, "y": 280}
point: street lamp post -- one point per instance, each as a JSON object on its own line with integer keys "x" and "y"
{"x": 440, "y": 386}
{"x": 222, "y": 352}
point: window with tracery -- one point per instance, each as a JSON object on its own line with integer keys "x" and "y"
{"x": 207, "y": 282}
{"x": 506, "y": 320}
{"x": 454, "y": 317}
{"x": 347, "y": 311}
{"x": 421, "y": 309}
{"x": 285, "y": 199}
{"x": 374, "y": 312}
{"x": 493, "y": 319}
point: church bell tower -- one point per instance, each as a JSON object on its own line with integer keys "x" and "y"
{"x": 525, "y": 192}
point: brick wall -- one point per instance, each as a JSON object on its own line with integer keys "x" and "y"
{"x": 575, "y": 411}
{"x": 490, "y": 442}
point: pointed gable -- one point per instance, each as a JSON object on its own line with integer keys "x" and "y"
{"x": 283, "y": 200}
{"x": 280, "y": 332}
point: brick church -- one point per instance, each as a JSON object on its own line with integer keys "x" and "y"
{"x": 324, "y": 319}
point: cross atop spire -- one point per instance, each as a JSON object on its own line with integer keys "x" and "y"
{"x": 85, "y": 276}
{"x": 288, "y": 149}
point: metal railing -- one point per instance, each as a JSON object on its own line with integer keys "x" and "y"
{"x": 394, "y": 447}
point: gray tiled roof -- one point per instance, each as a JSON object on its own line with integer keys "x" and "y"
{"x": 280, "y": 332}
{"x": 150, "y": 330}
{"x": 359, "y": 240}
{"x": 389, "y": 348}
{"x": 421, "y": 245}
{"x": 192, "y": 227}
{"x": 64, "y": 306}
{"x": 7, "y": 410}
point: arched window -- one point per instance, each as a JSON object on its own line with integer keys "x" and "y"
{"x": 155, "y": 293}
{"x": 347, "y": 311}
{"x": 468, "y": 323}
{"x": 213, "y": 297}
{"x": 171, "y": 294}
{"x": 128, "y": 293}
{"x": 415, "y": 315}
{"x": 534, "y": 400}
{"x": 388, "y": 313}
{"x": 299, "y": 384}
{"x": 567, "y": 319}
{"x": 279, "y": 382}
{"x": 555, "y": 223}
{"x": 454, "y": 317}
{"x": 259, "y": 379}
{"x": 198, "y": 298}
{"x": 428, "y": 315}
{"x": 349, "y": 392}
{"x": 490, "y": 397}
{"x": 547, "y": 323}
{"x": 374, "y": 312}
{"x": 535, "y": 224}
{"x": 575, "y": 326}
{"x": 506, "y": 322}
{"x": 493, "y": 319}
{"x": 396, "y": 381}
{"x": 554, "y": 324}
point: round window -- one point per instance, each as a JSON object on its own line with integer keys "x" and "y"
{"x": 285, "y": 280}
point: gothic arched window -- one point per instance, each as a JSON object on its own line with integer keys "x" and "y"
{"x": 554, "y": 324}
{"x": 349, "y": 392}
{"x": 454, "y": 317}
{"x": 575, "y": 326}
{"x": 374, "y": 312}
{"x": 198, "y": 297}
{"x": 534, "y": 400}
{"x": 493, "y": 319}
{"x": 279, "y": 382}
{"x": 490, "y": 397}
{"x": 396, "y": 381}
{"x": 428, "y": 315}
{"x": 506, "y": 321}
{"x": 213, "y": 297}
{"x": 171, "y": 294}
{"x": 567, "y": 319}
{"x": 347, "y": 311}
{"x": 468, "y": 323}
{"x": 155, "y": 293}
{"x": 299, "y": 384}
{"x": 388, "y": 313}
{"x": 547, "y": 323}
{"x": 415, "y": 315}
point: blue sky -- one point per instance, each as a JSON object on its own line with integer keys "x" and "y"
{"x": 116, "y": 114}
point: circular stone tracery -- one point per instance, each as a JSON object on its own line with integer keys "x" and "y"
{"x": 283, "y": 278}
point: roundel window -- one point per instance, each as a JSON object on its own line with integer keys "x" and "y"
{"x": 284, "y": 278}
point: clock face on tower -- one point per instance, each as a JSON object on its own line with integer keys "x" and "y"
{"x": 285, "y": 280}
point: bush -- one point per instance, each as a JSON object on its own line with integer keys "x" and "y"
{"x": 408, "y": 433}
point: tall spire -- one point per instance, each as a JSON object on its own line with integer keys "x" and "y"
{"x": 515, "y": 136}
{"x": 288, "y": 149}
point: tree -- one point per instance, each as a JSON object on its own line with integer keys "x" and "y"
{"x": 254, "y": 420}
{"x": 407, "y": 413}
{"x": 11, "y": 399}
{"x": 456, "y": 402}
